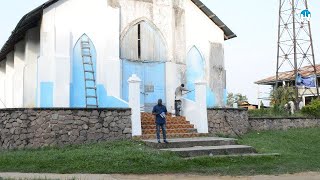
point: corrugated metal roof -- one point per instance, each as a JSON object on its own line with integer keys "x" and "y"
{"x": 289, "y": 75}
{"x": 33, "y": 18}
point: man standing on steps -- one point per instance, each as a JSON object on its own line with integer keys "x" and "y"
{"x": 178, "y": 96}
{"x": 160, "y": 111}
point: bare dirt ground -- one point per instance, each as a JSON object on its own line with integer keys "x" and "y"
{"x": 23, "y": 176}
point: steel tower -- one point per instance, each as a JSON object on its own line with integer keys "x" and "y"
{"x": 295, "y": 46}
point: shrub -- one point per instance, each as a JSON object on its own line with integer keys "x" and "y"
{"x": 312, "y": 109}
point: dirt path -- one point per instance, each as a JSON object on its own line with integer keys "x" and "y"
{"x": 304, "y": 176}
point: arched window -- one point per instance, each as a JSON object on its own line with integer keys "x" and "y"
{"x": 143, "y": 42}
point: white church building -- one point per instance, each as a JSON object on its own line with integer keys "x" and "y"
{"x": 81, "y": 54}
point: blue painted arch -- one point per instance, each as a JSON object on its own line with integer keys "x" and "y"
{"x": 77, "y": 86}
{"x": 196, "y": 70}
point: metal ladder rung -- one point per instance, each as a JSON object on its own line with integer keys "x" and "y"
{"x": 89, "y": 75}
{"x": 85, "y": 42}
{"x": 91, "y": 88}
{"x": 91, "y": 97}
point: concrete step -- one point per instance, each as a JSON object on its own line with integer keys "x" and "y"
{"x": 168, "y": 122}
{"x": 170, "y": 126}
{"x": 241, "y": 155}
{"x": 172, "y": 136}
{"x": 149, "y": 117}
{"x": 171, "y": 131}
{"x": 191, "y": 142}
{"x": 212, "y": 150}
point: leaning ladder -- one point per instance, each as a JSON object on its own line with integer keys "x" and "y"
{"x": 89, "y": 75}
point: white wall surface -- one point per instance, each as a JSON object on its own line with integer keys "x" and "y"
{"x": 2, "y": 83}
{"x": 32, "y": 52}
{"x": 9, "y": 80}
{"x": 66, "y": 21}
{"x": 200, "y": 31}
{"x": 174, "y": 78}
{"x": 63, "y": 24}
{"x": 19, "y": 63}
{"x": 196, "y": 111}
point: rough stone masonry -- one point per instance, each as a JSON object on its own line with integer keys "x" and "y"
{"x": 33, "y": 128}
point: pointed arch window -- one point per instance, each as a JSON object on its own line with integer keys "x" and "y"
{"x": 143, "y": 42}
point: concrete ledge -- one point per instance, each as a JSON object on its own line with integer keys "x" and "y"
{"x": 228, "y": 109}
{"x": 57, "y": 109}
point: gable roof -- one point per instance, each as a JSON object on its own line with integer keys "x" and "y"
{"x": 33, "y": 18}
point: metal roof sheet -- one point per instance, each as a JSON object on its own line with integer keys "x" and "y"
{"x": 33, "y": 18}
{"x": 289, "y": 75}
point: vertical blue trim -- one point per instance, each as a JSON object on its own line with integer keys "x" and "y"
{"x": 225, "y": 97}
{"x": 211, "y": 101}
{"x": 46, "y": 94}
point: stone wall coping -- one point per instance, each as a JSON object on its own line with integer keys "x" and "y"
{"x": 228, "y": 109}
{"x": 279, "y": 118}
{"x": 66, "y": 109}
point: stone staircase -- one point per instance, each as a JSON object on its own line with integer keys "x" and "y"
{"x": 203, "y": 146}
{"x": 185, "y": 141}
{"x": 177, "y": 127}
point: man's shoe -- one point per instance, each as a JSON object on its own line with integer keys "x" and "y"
{"x": 159, "y": 141}
{"x": 165, "y": 141}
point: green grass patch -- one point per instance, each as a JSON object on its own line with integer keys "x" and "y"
{"x": 299, "y": 150}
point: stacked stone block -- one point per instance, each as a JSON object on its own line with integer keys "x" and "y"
{"x": 34, "y": 128}
{"x": 224, "y": 121}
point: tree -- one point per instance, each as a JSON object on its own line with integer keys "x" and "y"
{"x": 239, "y": 98}
{"x": 282, "y": 95}
{"x": 236, "y": 98}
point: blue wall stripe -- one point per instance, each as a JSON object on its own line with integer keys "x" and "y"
{"x": 106, "y": 101}
{"x": 46, "y": 94}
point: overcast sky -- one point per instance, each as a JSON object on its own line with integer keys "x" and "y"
{"x": 249, "y": 57}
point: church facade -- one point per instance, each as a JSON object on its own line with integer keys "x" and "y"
{"x": 81, "y": 53}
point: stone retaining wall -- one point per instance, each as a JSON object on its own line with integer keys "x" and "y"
{"x": 33, "y": 128}
{"x": 264, "y": 124}
{"x": 235, "y": 122}
{"x": 227, "y": 121}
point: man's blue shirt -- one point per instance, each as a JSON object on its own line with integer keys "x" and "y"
{"x": 160, "y": 109}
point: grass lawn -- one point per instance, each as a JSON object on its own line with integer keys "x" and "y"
{"x": 300, "y": 152}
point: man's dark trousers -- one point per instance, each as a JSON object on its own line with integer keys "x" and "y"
{"x": 163, "y": 127}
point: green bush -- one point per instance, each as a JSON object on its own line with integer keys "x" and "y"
{"x": 312, "y": 109}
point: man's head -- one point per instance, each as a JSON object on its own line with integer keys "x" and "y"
{"x": 160, "y": 102}
{"x": 182, "y": 85}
